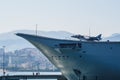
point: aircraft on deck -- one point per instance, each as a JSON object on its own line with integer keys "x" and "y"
{"x": 88, "y": 38}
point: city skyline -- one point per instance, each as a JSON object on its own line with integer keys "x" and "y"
{"x": 76, "y": 16}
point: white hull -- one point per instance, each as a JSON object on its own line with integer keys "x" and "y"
{"x": 84, "y": 60}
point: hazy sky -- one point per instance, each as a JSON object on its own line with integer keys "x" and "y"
{"x": 76, "y": 16}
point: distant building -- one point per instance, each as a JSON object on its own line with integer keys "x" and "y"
{"x": 25, "y": 59}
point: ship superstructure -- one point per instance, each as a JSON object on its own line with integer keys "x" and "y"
{"x": 80, "y": 60}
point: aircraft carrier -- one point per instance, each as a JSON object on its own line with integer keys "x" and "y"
{"x": 80, "y": 60}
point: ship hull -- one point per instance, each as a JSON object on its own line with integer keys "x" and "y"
{"x": 79, "y": 60}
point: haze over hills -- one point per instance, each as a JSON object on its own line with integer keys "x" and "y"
{"x": 113, "y": 37}
{"x": 13, "y": 42}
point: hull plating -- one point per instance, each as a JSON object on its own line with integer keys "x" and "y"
{"x": 81, "y": 60}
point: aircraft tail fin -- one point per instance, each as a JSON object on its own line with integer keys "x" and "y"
{"x": 99, "y": 37}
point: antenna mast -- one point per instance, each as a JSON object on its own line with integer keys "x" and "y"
{"x": 89, "y": 32}
{"x": 36, "y": 29}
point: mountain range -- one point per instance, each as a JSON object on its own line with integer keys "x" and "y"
{"x": 13, "y": 42}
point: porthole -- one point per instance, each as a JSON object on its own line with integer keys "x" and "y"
{"x": 84, "y": 51}
{"x": 80, "y": 56}
{"x": 110, "y": 47}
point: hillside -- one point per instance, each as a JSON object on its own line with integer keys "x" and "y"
{"x": 13, "y": 42}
